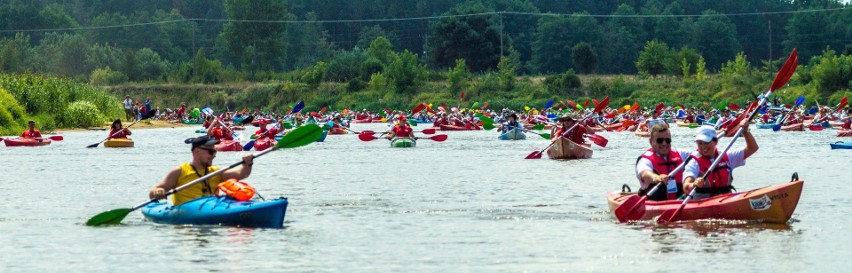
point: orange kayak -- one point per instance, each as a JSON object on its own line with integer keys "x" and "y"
{"x": 229, "y": 146}
{"x": 567, "y": 149}
{"x": 773, "y": 204}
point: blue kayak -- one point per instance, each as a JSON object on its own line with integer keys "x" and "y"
{"x": 761, "y": 125}
{"x": 514, "y": 134}
{"x": 841, "y": 145}
{"x": 212, "y": 210}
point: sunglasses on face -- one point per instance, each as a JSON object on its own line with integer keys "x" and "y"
{"x": 667, "y": 140}
{"x": 209, "y": 151}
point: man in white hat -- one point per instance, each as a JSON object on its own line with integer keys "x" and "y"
{"x": 719, "y": 180}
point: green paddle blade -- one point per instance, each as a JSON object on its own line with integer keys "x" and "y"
{"x": 287, "y": 125}
{"x": 109, "y": 217}
{"x": 300, "y": 137}
{"x": 412, "y": 123}
{"x": 539, "y": 126}
{"x": 694, "y": 125}
{"x": 484, "y": 119}
{"x": 488, "y": 126}
{"x": 545, "y": 136}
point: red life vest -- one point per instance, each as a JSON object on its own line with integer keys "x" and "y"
{"x": 402, "y": 130}
{"x": 120, "y": 134}
{"x": 31, "y": 134}
{"x": 661, "y": 166}
{"x": 575, "y": 135}
{"x": 718, "y": 178}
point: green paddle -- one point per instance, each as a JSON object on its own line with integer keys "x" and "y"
{"x": 298, "y": 137}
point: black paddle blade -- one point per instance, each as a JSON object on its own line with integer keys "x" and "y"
{"x": 111, "y": 217}
{"x": 247, "y": 120}
{"x": 93, "y": 145}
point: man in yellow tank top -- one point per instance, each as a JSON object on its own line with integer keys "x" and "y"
{"x": 203, "y": 152}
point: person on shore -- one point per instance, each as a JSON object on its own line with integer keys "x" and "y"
{"x": 203, "y": 152}
{"x": 566, "y": 122}
{"x": 128, "y": 108}
{"x": 720, "y": 179}
{"x": 117, "y": 130}
{"x": 655, "y": 164}
{"x": 31, "y": 131}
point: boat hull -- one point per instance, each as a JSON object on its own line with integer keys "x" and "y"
{"x": 403, "y": 142}
{"x": 26, "y": 142}
{"x": 119, "y": 143}
{"x": 567, "y": 149}
{"x": 514, "y": 134}
{"x": 229, "y": 146}
{"x": 212, "y": 210}
{"x": 773, "y": 204}
{"x": 841, "y": 145}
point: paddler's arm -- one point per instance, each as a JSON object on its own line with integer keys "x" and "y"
{"x": 168, "y": 183}
{"x": 242, "y": 172}
{"x": 751, "y": 143}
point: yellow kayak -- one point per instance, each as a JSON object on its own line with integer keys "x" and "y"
{"x": 118, "y": 143}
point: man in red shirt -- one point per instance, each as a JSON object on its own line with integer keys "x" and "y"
{"x": 31, "y": 132}
{"x": 575, "y": 135}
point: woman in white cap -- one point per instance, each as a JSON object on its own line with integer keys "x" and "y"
{"x": 719, "y": 180}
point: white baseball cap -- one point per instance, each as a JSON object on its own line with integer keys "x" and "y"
{"x": 705, "y": 133}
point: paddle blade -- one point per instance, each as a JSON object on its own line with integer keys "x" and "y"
{"x": 545, "y": 136}
{"x": 786, "y": 71}
{"x": 534, "y": 155}
{"x": 693, "y": 125}
{"x": 776, "y": 127}
{"x": 800, "y": 100}
{"x": 662, "y": 105}
{"x": 56, "y": 138}
{"x": 298, "y": 107}
{"x": 301, "y": 136}
{"x": 488, "y": 126}
{"x": 634, "y": 206}
{"x": 247, "y": 120}
{"x": 603, "y": 104}
{"x": 733, "y": 107}
{"x": 573, "y": 104}
{"x": 418, "y": 108}
{"x": 370, "y": 132}
{"x": 109, "y": 217}
{"x": 484, "y": 118}
{"x": 93, "y": 145}
{"x": 599, "y": 140}
{"x": 428, "y": 131}
{"x": 248, "y": 145}
{"x": 548, "y": 104}
{"x": 669, "y": 215}
{"x": 539, "y": 126}
{"x": 366, "y": 137}
{"x": 438, "y": 138}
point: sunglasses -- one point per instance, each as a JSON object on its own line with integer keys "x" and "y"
{"x": 209, "y": 151}
{"x": 667, "y": 140}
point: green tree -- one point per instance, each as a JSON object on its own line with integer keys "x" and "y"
{"x": 473, "y": 38}
{"x": 309, "y": 44}
{"x": 260, "y": 44}
{"x": 715, "y": 37}
{"x": 458, "y": 77}
{"x": 15, "y": 54}
{"x": 553, "y": 44}
{"x": 585, "y": 58}
{"x": 381, "y": 49}
{"x": 653, "y": 57}
{"x": 507, "y": 70}
{"x": 406, "y": 72}
{"x": 832, "y": 73}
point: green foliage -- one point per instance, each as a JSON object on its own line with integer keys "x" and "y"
{"x": 700, "y": 69}
{"x": 405, "y": 72}
{"x": 81, "y": 114}
{"x": 832, "y": 73}
{"x": 106, "y": 76}
{"x": 382, "y": 50}
{"x": 458, "y": 77}
{"x": 473, "y": 38}
{"x": 346, "y": 66}
{"x": 653, "y": 58}
{"x": 565, "y": 84}
{"x": 506, "y": 69}
{"x": 259, "y": 45}
{"x": 584, "y": 57}
{"x": 12, "y": 114}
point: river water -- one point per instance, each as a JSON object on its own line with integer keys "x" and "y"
{"x": 469, "y": 204}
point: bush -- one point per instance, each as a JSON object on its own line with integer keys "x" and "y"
{"x": 81, "y": 114}
{"x": 106, "y": 76}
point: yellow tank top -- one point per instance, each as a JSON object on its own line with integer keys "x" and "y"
{"x": 188, "y": 174}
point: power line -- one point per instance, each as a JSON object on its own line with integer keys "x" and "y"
{"x": 425, "y": 18}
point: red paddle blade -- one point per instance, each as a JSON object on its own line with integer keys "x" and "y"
{"x": 323, "y": 109}
{"x": 418, "y": 108}
{"x": 660, "y": 107}
{"x": 595, "y": 101}
{"x": 534, "y": 155}
{"x": 586, "y": 104}
{"x": 733, "y": 107}
{"x": 610, "y": 115}
{"x": 573, "y": 105}
{"x": 485, "y": 106}
{"x": 635, "y": 107}
{"x": 599, "y": 140}
{"x": 439, "y": 138}
{"x": 734, "y": 125}
{"x": 629, "y": 207}
{"x": 603, "y": 104}
{"x": 366, "y": 137}
{"x": 367, "y": 132}
{"x": 57, "y": 138}
{"x": 669, "y": 215}
{"x": 786, "y": 71}
{"x": 429, "y": 131}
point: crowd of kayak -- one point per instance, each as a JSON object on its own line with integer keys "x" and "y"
{"x": 675, "y": 184}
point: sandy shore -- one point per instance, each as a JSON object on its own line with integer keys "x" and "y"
{"x": 145, "y": 124}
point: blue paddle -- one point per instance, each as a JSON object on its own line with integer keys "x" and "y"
{"x": 548, "y": 105}
{"x": 777, "y": 126}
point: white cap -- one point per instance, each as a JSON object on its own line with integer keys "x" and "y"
{"x": 705, "y": 133}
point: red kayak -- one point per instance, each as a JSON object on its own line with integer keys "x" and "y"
{"x": 846, "y": 133}
{"x": 366, "y": 120}
{"x": 337, "y": 131}
{"x": 263, "y": 144}
{"x": 773, "y": 204}
{"x": 229, "y": 146}
{"x": 794, "y": 127}
{"x": 469, "y": 127}
{"x": 26, "y": 142}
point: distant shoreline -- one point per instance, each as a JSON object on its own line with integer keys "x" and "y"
{"x": 145, "y": 124}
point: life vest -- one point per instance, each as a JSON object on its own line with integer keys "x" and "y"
{"x": 31, "y": 134}
{"x": 204, "y": 188}
{"x": 402, "y": 130}
{"x": 239, "y": 190}
{"x": 575, "y": 135}
{"x": 663, "y": 166}
{"x": 719, "y": 179}
{"x": 120, "y": 134}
